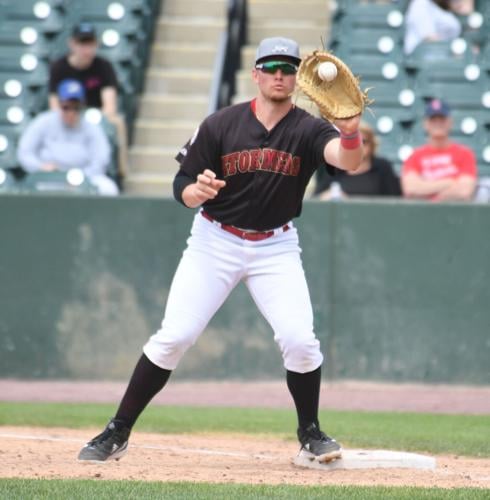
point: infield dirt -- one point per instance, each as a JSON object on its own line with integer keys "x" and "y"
{"x": 51, "y": 454}
{"x": 230, "y": 458}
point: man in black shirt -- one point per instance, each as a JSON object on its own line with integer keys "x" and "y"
{"x": 98, "y": 77}
{"x": 246, "y": 170}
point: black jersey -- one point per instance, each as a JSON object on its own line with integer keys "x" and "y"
{"x": 98, "y": 75}
{"x": 266, "y": 172}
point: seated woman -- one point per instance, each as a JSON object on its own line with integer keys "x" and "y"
{"x": 375, "y": 177}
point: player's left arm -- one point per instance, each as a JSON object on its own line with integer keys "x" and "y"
{"x": 345, "y": 152}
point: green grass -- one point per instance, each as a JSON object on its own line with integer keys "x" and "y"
{"x": 83, "y": 489}
{"x": 436, "y": 434}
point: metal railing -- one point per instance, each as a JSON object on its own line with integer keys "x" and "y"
{"x": 228, "y": 58}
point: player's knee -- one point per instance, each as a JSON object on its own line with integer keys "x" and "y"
{"x": 170, "y": 343}
{"x": 301, "y": 353}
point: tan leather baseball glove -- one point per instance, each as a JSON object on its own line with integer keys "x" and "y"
{"x": 338, "y": 98}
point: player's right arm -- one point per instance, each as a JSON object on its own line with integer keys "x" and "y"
{"x": 196, "y": 183}
{"x": 205, "y": 188}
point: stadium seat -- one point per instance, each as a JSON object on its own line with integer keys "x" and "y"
{"x": 8, "y": 184}
{"x": 55, "y": 182}
{"x": 23, "y": 66}
{"x": 13, "y": 34}
{"x": 428, "y": 55}
{"x": 365, "y": 41}
{"x": 42, "y": 16}
{"x": 376, "y": 68}
{"x": 8, "y": 147}
{"x": 13, "y": 116}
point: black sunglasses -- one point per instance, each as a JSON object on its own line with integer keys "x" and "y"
{"x": 272, "y": 66}
{"x": 70, "y": 107}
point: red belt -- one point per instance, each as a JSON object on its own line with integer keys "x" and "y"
{"x": 246, "y": 235}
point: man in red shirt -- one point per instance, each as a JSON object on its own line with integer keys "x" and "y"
{"x": 441, "y": 170}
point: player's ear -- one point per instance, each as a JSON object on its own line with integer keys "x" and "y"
{"x": 255, "y": 75}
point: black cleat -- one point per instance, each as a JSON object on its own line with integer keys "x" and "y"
{"x": 111, "y": 444}
{"x": 315, "y": 445}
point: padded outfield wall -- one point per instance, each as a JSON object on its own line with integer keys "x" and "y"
{"x": 401, "y": 291}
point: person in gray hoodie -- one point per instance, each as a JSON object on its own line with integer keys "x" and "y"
{"x": 63, "y": 139}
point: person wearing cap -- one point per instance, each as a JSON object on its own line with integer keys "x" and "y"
{"x": 62, "y": 139}
{"x": 441, "y": 170}
{"x": 245, "y": 172}
{"x": 98, "y": 78}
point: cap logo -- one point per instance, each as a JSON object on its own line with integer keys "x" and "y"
{"x": 280, "y": 48}
{"x": 436, "y": 104}
{"x": 73, "y": 87}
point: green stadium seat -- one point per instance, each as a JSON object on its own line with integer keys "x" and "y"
{"x": 53, "y": 182}
{"x": 45, "y": 18}
{"x": 8, "y": 184}
{"x": 440, "y": 54}
{"x": 365, "y": 41}
{"x": 24, "y": 66}
{"x": 8, "y": 147}
{"x": 13, "y": 116}
{"x": 13, "y": 34}
{"x": 459, "y": 95}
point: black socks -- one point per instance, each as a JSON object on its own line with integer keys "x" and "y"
{"x": 147, "y": 380}
{"x": 305, "y": 389}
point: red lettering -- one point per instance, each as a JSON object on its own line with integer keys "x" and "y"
{"x": 296, "y": 166}
{"x": 244, "y": 162}
{"x": 255, "y": 159}
{"x": 269, "y": 159}
{"x": 229, "y": 164}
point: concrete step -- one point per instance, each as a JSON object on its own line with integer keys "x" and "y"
{"x": 304, "y": 32}
{"x": 178, "y": 81}
{"x": 157, "y": 132}
{"x": 164, "y": 107}
{"x": 143, "y": 184}
{"x": 259, "y": 10}
{"x": 202, "y": 8}
{"x": 151, "y": 160}
{"x": 181, "y": 55}
{"x": 197, "y": 30}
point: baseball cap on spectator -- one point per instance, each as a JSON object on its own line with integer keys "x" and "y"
{"x": 71, "y": 90}
{"x": 84, "y": 32}
{"x": 278, "y": 46}
{"x": 437, "y": 107}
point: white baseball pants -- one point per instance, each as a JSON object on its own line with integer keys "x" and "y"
{"x": 214, "y": 262}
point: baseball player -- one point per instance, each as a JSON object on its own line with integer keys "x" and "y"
{"x": 245, "y": 170}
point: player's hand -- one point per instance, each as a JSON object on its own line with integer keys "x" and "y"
{"x": 49, "y": 167}
{"x": 348, "y": 126}
{"x": 205, "y": 188}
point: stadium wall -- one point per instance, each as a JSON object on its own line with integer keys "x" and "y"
{"x": 401, "y": 291}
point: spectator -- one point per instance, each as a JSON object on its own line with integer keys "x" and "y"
{"x": 440, "y": 170}
{"x": 375, "y": 177}
{"x": 62, "y": 139}
{"x": 98, "y": 77}
{"x": 429, "y": 20}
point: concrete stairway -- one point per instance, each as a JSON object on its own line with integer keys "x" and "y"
{"x": 176, "y": 95}
{"x": 307, "y": 22}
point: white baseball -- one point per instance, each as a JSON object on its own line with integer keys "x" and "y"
{"x": 327, "y": 71}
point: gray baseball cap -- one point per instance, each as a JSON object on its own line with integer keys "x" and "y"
{"x": 278, "y": 46}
